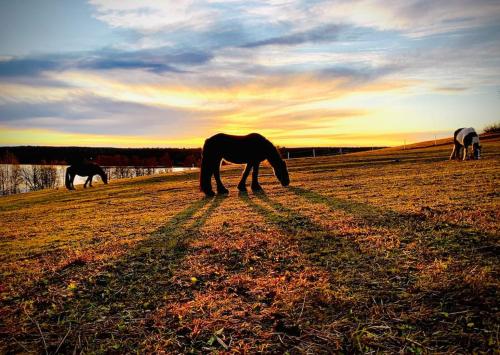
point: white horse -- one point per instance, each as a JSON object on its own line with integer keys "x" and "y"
{"x": 463, "y": 138}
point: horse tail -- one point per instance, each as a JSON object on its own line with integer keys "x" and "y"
{"x": 206, "y": 169}
{"x": 67, "y": 179}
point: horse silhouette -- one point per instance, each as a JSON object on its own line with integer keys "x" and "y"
{"x": 84, "y": 169}
{"x": 463, "y": 138}
{"x": 251, "y": 150}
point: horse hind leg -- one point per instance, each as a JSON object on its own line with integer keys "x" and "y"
{"x": 72, "y": 181}
{"x": 220, "y": 186}
{"x": 91, "y": 177}
{"x": 242, "y": 184}
{"x": 206, "y": 173}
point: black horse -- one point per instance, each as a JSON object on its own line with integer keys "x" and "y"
{"x": 84, "y": 169}
{"x": 251, "y": 150}
{"x": 463, "y": 138}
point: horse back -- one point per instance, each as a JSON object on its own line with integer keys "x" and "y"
{"x": 464, "y": 136}
{"x": 238, "y": 149}
{"x": 85, "y": 169}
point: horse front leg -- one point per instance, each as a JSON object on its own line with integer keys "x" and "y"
{"x": 220, "y": 186}
{"x": 243, "y": 182}
{"x": 255, "y": 178}
{"x": 91, "y": 177}
{"x": 465, "y": 152}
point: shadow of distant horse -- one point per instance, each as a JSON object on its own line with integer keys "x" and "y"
{"x": 84, "y": 169}
{"x": 139, "y": 279}
{"x": 251, "y": 150}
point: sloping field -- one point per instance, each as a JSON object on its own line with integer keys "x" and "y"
{"x": 381, "y": 251}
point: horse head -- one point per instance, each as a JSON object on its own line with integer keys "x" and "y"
{"x": 281, "y": 172}
{"x": 103, "y": 176}
{"x": 476, "y": 148}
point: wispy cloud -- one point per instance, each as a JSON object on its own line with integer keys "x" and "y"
{"x": 13, "y": 67}
{"x": 157, "y": 60}
{"x": 150, "y": 16}
{"x": 318, "y": 34}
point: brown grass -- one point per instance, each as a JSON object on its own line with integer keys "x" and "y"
{"x": 384, "y": 251}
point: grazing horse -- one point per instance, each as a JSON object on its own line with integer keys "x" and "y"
{"x": 251, "y": 150}
{"x": 465, "y": 138}
{"x": 84, "y": 169}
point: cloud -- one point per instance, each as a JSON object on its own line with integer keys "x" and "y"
{"x": 93, "y": 114}
{"x": 157, "y": 60}
{"x": 149, "y": 16}
{"x": 26, "y": 66}
{"x": 450, "y": 89}
{"x": 415, "y": 18}
{"x": 319, "y": 34}
{"x": 107, "y": 64}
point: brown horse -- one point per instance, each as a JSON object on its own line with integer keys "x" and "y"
{"x": 84, "y": 169}
{"x": 251, "y": 150}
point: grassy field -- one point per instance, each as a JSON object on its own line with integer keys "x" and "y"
{"x": 382, "y": 251}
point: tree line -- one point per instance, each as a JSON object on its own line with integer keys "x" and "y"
{"x": 14, "y": 176}
{"x": 166, "y": 157}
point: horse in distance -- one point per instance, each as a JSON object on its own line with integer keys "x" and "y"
{"x": 465, "y": 138}
{"x": 251, "y": 150}
{"x": 84, "y": 169}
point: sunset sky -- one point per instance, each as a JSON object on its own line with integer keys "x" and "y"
{"x": 157, "y": 73}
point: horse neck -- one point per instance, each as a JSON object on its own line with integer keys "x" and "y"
{"x": 274, "y": 157}
{"x": 100, "y": 171}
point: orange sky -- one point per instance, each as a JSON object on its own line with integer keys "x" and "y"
{"x": 322, "y": 73}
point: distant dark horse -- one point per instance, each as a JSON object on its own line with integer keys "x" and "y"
{"x": 250, "y": 150}
{"x": 84, "y": 169}
{"x": 463, "y": 138}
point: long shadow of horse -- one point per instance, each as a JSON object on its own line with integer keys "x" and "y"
{"x": 445, "y": 234}
{"x": 111, "y": 308}
{"x": 370, "y": 281}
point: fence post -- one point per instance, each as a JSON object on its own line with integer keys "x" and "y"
{"x": 314, "y": 153}
{"x": 288, "y": 154}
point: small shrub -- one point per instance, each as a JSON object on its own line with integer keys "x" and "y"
{"x": 492, "y": 128}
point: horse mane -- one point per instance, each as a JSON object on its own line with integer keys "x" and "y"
{"x": 274, "y": 155}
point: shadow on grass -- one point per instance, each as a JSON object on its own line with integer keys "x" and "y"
{"x": 385, "y": 289}
{"x": 410, "y": 225}
{"x": 109, "y": 311}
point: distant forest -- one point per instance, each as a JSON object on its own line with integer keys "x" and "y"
{"x": 147, "y": 157}
{"x": 150, "y": 157}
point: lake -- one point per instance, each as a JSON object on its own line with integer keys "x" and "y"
{"x": 60, "y": 170}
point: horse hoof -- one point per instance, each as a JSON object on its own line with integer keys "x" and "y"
{"x": 223, "y": 191}
{"x": 256, "y": 188}
{"x": 242, "y": 188}
{"x": 210, "y": 194}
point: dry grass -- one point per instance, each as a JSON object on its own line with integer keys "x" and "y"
{"x": 384, "y": 251}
